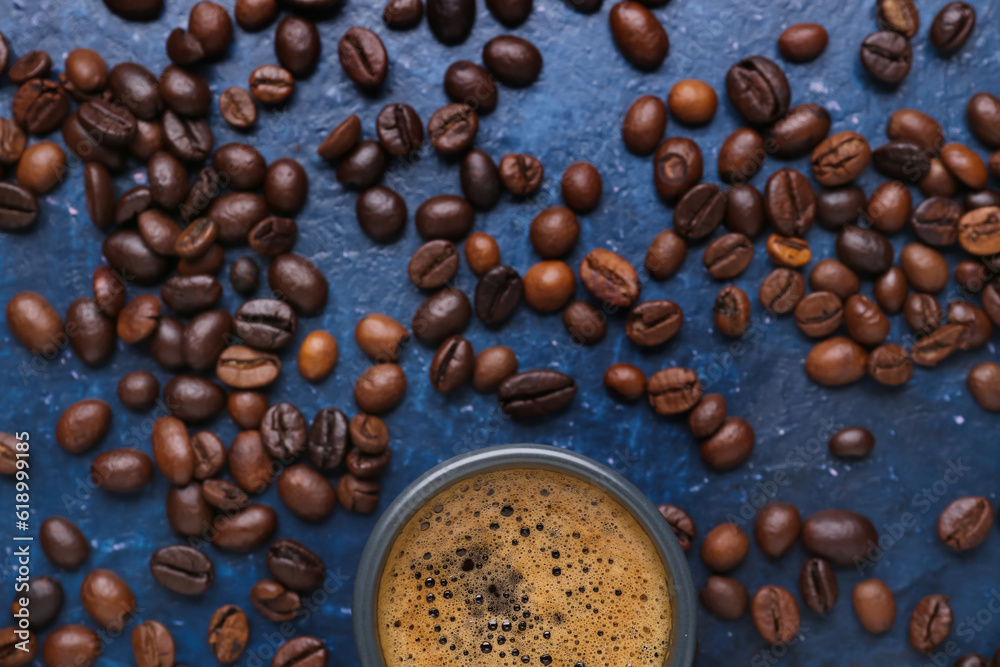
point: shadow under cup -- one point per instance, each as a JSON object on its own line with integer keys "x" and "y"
{"x": 444, "y": 475}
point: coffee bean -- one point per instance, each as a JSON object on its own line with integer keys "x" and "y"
{"x": 965, "y": 522}
{"x": 788, "y": 251}
{"x": 451, "y": 366}
{"x": 357, "y": 495}
{"x": 63, "y": 543}
{"x": 363, "y": 57}
{"x": 644, "y": 124}
{"x": 453, "y": 128}
{"x": 12, "y": 141}
{"x": 781, "y": 290}
{"x": 913, "y": 126}
{"x": 193, "y": 399}
{"x": 283, "y": 431}
{"x": 245, "y": 368}
{"x": 674, "y": 390}
{"x": 681, "y": 524}
{"x": 246, "y": 531}
{"x": 980, "y": 199}
{"x": 294, "y": 565}
{"x": 190, "y": 139}
{"x": 887, "y": 56}
{"x": 299, "y": 282}
{"x": 839, "y": 207}
{"x": 480, "y": 179}
{"x": 875, "y": 605}
{"x": 302, "y": 651}
{"x": 934, "y": 348}
{"x": 370, "y": 435}
{"x": 205, "y": 337}
{"x": 979, "y": 231}
{"x": 32, "y": 65}
{"x": 890, "y": 207}
{"x": 836, "y": 361}
{"x": 610, "y": 278}
{"x": 72, "y": 645}
{"x": 247, "y": 408}
{"x": 758, "y": 89}
{"x": 901, "y": 16}
{"x": 965, "y": 165}
{"x": 237, "y": 107}
{"x": 273, "y": 236}
{"x": 91, "y": 333}
{"x": 741, "y": 155}
{"x": 511, "y": 13}
{"x": 224, "y": 496}
{"x": 381, "y": 337}
{"x": 482, "y": 253}
{"x": 724, "y": 597}
{"x": 159, "y": 231}
{"x": 328, "y": 439}
{"x": 132, "y": 81}
{"x": 40, "y": 105}
{"x": 297, "y": 45}
{"x": 148, "y": 139}
{"x": 653, "y": 323}
{"x": 317, "y": 356}
{"x": 306, "y": 492}
{"x": 196, "y": 239}
{"x": 209, "y": 454}
{"x": 471, "y": 86}
{"x": 399, "y": 129}
{"x": 107, "y": 598}
{"x": 380, "y": 389}
{"x": 852, "y": 442}
{"x": 776, "y": 528}
{"x": 35, "y": 323}
{"x": 521, "y": 174}
{"x": 42, "y": 167}
{"x": 82, "y": 425}
{"x": 444, "y": 217}
{"x": 984, "y": 385}
{"x": 708, "y": 416}
{"x": 581, "y": 187}
{"x": 982, "y": 113}
{"x": 831, "y": 275}
{"x": 271, "y": 84}
{"x": 554, "y": 231}
{"x": 228, "y": 633}
{"x": 363, "y": 166}
{"x": 286, "y": 186}
{"x": 694, "y": 102}
{"x": 818, "y": 584}
{"x": 819, "y": 314}
{"x": 253, "y": 15}
{"x": 677, "y": 167}
{"x": 442, "y": 314}
{"x": 802, "y": 42}
{"x": 952, "y": 26}
{"x": 585, "y": 324}
{"x": 935, "y": 221}
{"x": 865, "y": 251}
{"x": 775, "y": 614}
{"x": 930, "y": 623}
{"x": 242, "y": 164}
{"x": 172, "y": 450}
{"x": 725, "y": 547}
{"x": 492, "y": 366}
{"x": 451, "y": 21}
{"x": 840, "y": 536}
{"x": 341, "y": 139}
{"x": 639, "y": 35}
{"x": 183, "y": 48}
{"x": 732, "y": 311}
{"x": 514, "y": 61}
{"x": 187, "y": 512}
{"x": 840, "y": 158}
{"x": 152, "y": 644}
{"x": 798, "y": 132}
{"x": 925, "y": 268}
{"x": 402, "y": 15}
{"x": 4, "y": 53}
{"x": 866, "y": 323}
{"x": 922, "y": 313}
{"x": 665, "y": 255}
{"x": 789, "y": 202}
{"x": 625, "y": 381}
{"x": 700, "y": 212}
{"x": 549, "y": 285}
{"x": 114, "y": 123}
{"x": 730, "y": 446}
{"x": 274, "y": 601}
{"x": 536, "y": 393}
{"x": 184, "y": 92}
{"x": 44, "y": 598}
{"x": 498, "y": 294}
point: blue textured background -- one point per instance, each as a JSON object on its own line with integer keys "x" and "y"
{"x": 572, "y": 113}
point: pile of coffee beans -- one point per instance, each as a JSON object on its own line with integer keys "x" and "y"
{"x": 200, "y": 200}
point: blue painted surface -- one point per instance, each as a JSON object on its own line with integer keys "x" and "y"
{"x": 572, "y": 113}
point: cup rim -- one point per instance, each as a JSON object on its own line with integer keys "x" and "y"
{"x": 426, "y": 486}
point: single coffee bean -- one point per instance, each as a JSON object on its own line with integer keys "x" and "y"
{"x": 209, "y": 454}
{"x": 470, "y": 84}
{"x": 364, "y": 466}
{"x": 965, "y": 522}
{"x": 253, "y": 15}
{"x": 625, "y": 380}
{"x": 741, "y": 155}
{"x": 444, "y": 216}
{"x": 865, "y": 251}
{"x": 205, "y": 337}
{"x": 935, "y": 221}
{"x": 798, "y": 132}
{"x": 480, "y": 179}
{"x": 187, "y": 512}
{"x": 107, "y": 598}
{"x": 196, "y": 239}
{"x": 700, "y": 211}
{"x": 852, "y": 442}
{"x": 283, "y": 431}
{"x": 329, "y": 438}
{"x": 925, "y": 268}
{"x": 265, "y": 324}
{"x": 381, "y": 337}
{"x": 187, "y": 295}
{"x": 274, "y": 601}
{"x": 665, "y": 255}
{"x": 152, "y": 644}
{"x": 887, "y": 56}
{"x": 514, "y": 61}
{"x": 451, "y": 366}
{"x": 511, "y": 13}
{"x": 725, "y": 547}
{"x": 581, "y": 187}
{"x": 189, "y": 139}
{"x": 677, "y": 167}
{"x": 451, "y": 21}
{"x": 306, "y": 492}
{"x": 247, "y": 531}
{"x": 758, "y": 89}
{"x": 369, "y": 434}
{"x": 379, "y": 389}
{"x": 836, "y": 361}
{"x": 965, "y": 165}
{"x": 724, "y": 597}
{"x": 363, "y": 57}
{"x": 224, "y": 495}
{"x": 831, "y": 275}
{"x": 298, "y": 281}
{"x": 521, "y": 174}
{"x": 875, "y": 605}
{"x": 82, "y": 425}
{"x": 913, "y": 126}
{"x": 788, "y": 251}
{"x": 159, "y": 231}
{"x": 610, "y": 278}
{"x": 341, "y": 139}
{"x": 294, "y": 565}
{"x": 498, "y": 294}
{"x": 536, "y": 393}
{"x": 732, "y": 311}
{"x": 271, "y": 84}
{"x": 132, "y": 81}
{"x": 730, "y": 446}
{"x": 901, "y": 16}
{"x": 113, "y": 123}
{"x": 273, "y": 236}
{"x": 363, "y": 166}
{"x": 236, "y": 106}
{"x": 838, "y": 535}
{"x": 979, "y": 231}
{"x": 482, "y": 253}
{"x": 693, "y": 102}
{"x": 297, "y": 45}
{"x": 42, "y": 167}
{"x": 109, "y": 291}
{"x": 286, "y": 186}
{"x": 952, "y": 26}
{"x": 228, "y": 633}
{"x": 358, "y": 495}
{"x": 930, "y": 623}
{"x": 802, "y": 42}
{"x": 708, "y": 416}
{"x": 40, "y": 105}
{"x": 744, "y": 210}
{"x": 32, "y": 65}
{"x": 585, "y": 324}
{"x": 303, "y": 651}
{"x": 819, "y": 314}
{"x": 172, "y": 450}
{"x": 453, "y": 128}
{"x": 403, "y": 14}
{"x": 776, "y": 528}
{"x": 19, "y": 207}
{"x": 938, "y": 181}
{"x": 317, "y": 356}
{"x": 922, "y": 313}
{"x": 184, "y": 92}
{"x": 980, "y": 199}
{"x": 210, "y": 24}
{"x": 789, "y": 202}
{"x": 63, "y": 543}
{"x": 674, "y": 390}
{"x": 442, "y": 314}
{"x": 148, "y": 139}
{"x": 775, "y": 614}
{"x": 91, "y": 333}
{"x": 818, "y": 584}
{"x": 971, "y": 275}
{"x": 639, "y": 35}
{"x": 644, "y": 124}
{"x": 493, "y": 365}
{"x": 982, "y": 113}
{"x": 246, "y": 368}
{"x": 653, "y": 323}
{"x": 890, "y": 207}
{"x": 838, "y": 207}
{"x": 400, "y": 129}
{"x": 840, "y": 158}
{"x": 984, "y": 385}
{"x": 549, "y": 285}
{"x": 554, "y": 232}
{"x": 866, "y": 323}
{"x": 193, "y": 399}
{"x": 681, "y": 523}
{"x": 781, "y": 290}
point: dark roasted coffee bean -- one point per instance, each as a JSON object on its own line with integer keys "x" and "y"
{"x": 984, "y": 385}
{"x": 159, "y": 231}
{"x": 182, "y": 569}
{"x": 274, "y": 601}
{"x": 935, "y": 221}
{"x": 45, "y": 599}
{"x": 891, "y": 290}
{"x": 724, "y": 547}
{"x": 273, "y": 236}
{"x": 866, "y": 323}
{"x": 724, "y": 597}
{"x": 819, "y": 314}
{"x": 133, "y": 82}
{"x": 205, "y": 337}
{"x": 554, "y": 231}
{"x": 585, "y": 324}
{"x": 72, "y": 645}
{"x": 183, "y": 48}
{"x": 674, "y": 390}
{"x": 363, "y": 166}
{"x": 138, "y": 318}
{"x": 887, "y": 56}
{"x": 441, "y": 315}
{"x": 148, "y": 139}
{"x": 728, "y": 256}
{"x": 982, "y": 112}
{"x": 301, "y": 651}
{"x": 741, "y": 155}
{"x": 875, "y": 605}
{"x": 775, "y": 614}
{"x": 644, "y": 124}
{"x": 521, "y": 174}
{"x": 91, "y": 333}
{"x": 626, "y": 381}
{"x": 744, "y": 210}
{"x": 329, "y": 439}
{"x": 358, "y": 495}
{"x": 708, "y": 416}
{"x": 922, "y": 313}
{"x": 581, "y": 187}
{"x": 294, "y": 565}
{"x": 12, "y": 141}
{"x": 653, "y": 323}
{"x": 665, "y": 254}
{"x": 132, "y": 10}
{"x": 444, "y": 217}
{"x": 152, "y": 644}
{"x": 399, "y": 129}
{"x": 470, "y": 84}
{"x": 186, "y": 93}
{"x": 840, "y": 158}
{"x": 35, "y": 323}
{"x": 758, "y": 89}
{"x": 838, "y": 207}
{"x": 776, "y": 528}
{"x": 453, "y": 128}
{"x": 864, "y": 250}
{"x": 63, "y": 543}
{"x": 781, "y": 290}
{"x": 236, "y": 213}
{"x": 938, "y": 181}
{"x": 403, "y": 14}
{"x": 902, "y": 160}
{"x": 433, "y": 264}
{"x": 266, "y": 324}
{"x": 363, "y": 57}
{"x": 283, "y": 431}
{"x": 369, "y": 434}
{"x": 952, "y": 26}
{"x": 511, "y": 13}
{"x": 196, "y": 239}
{"x": 286, "y": 186}
{"x": 498, "y": 293}
{"x": 381, "y": 213}
{"x": 639, "y": 35}
{"x": 32, "y": 65}
{"x": 451, "y": 21}
{"x": 493, "y": 366}
{"x": 187, "y": 512}
{"x": 699, "y": 212}
{"x": 270, "y": 84}
{"x": 924, "y": 267}
{"x": 246, "y": 531}
{"x": 109, "y": 291}
{"x": 297, "y": 280}
{"x": 223, "y": 495}
{"x": 168, "y": 180}
{"x": 297, "y": 45}
{"x": 380, "y": 388}
{"x": 98, "y": 189}
{"x": 836, "y": 361}
{"x": 980, "y": 199}
{"x": 341, "y": 139}
{"x": 831, "y": 275}
{"x": 193, "y": 399}
{"x": 818, "y": 584}
{"x": 40, "y": 105}
{"x": 113, "y": 123}
{"x": 514, "y": 61}
{"x": 930, "y": 623}
{"x": 789, "y": 202}
{"x": 480, "y": 179}
{"x": 190, "y": 139}
{"x": 730, "y": 446}
{"x": 840, "y": 536}
{"x": 228, "y": 633}
{"x": 249, "y": 463}
{"x": 241, "y": 164}
{"x": 237, "y": 107}
{"x": 977, "y": 325}
{"x": 107, "y": 598}
{"x": 913, "y": 126}
{"x": 732, "y": 311}
{"x": 482, "y": 253}
{"x": 680, "y": 522}
{"x": 209, "y": 454}
{"x": 852, "y": 442}
{"x": 802, "y": 42}
{"x": 890, "y": 207}
{"x": 965, "y": 522}
{"x": 451, "y": 367}
{"x": 536, "y": 393}
{"x": 306, "y": 492}
{"x": 677, "y": 167}
{"x": 798, "y": 132}
{"x": 610, "y": 278}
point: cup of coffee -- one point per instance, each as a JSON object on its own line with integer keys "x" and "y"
{"x": 523, "y": 554}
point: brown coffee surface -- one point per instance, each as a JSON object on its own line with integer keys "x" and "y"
{"x": 524, "y": 567}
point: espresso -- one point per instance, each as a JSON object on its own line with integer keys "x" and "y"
{"x": 524, "y": 567}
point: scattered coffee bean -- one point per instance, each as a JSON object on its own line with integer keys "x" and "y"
{"x": 965, "y": 522}
{"x": 536, "y": 393}
{"x": 725, "y": 547}
{"x": 758, "y": 89}
{"x": 887, "y": 56}
{"x": 514, "y": 61}
{"x": 644, "y": 124}
{"x": 952, "y": 26}
{"x": 984, "y": 385}
{"x": 625, "y": 381}
{"x": 63, "y": 543}
{"x": 724, "y": 597}
{"x": 380, "y": 389}
{"x": 639, "y": 35}
{"x": 775, "y": 614}
{"x": 818, "y": 584}
{"x": 930, "y": 623}
{"x": 674, "y": 390}
{"x": 875, "y": 605}
{"x": 228, "y": 633}
{"x": 451, "y": 366}
{"x": 521, "y": 174}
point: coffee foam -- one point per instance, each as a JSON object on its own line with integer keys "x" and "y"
{"x": 523, "y": 567}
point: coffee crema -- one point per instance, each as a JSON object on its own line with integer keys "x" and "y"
{"x": 524, "y": 566}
